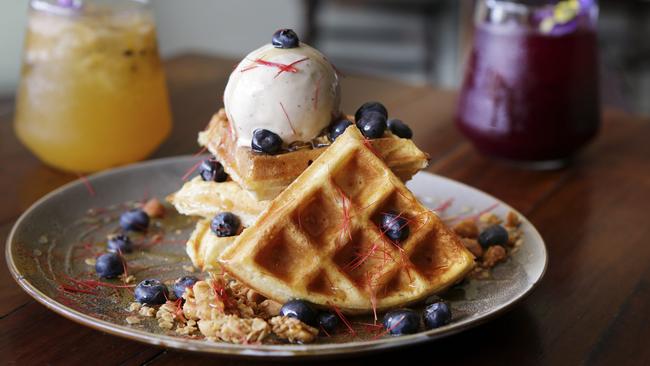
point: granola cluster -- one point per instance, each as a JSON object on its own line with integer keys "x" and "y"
{"x": 224, "y": 309}
{"x": 469, "y": 230}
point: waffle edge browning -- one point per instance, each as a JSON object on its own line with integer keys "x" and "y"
{"x": 319, "y": 240}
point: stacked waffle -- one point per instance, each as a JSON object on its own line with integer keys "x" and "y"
{"x": 319, "y": 238}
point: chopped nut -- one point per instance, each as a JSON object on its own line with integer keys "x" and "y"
{"x": 494, "y": 255}
{"x": 293, "y": 329}
{"x": 165, "y": 324}
{"x": 90, "y": 261}
{"x": 268, "y": 308}
{"x": 201, "y": 302}
{"x": 473, "y": 246}
{"x": 512, "y": 219}
{"x": 188, "y": 268}
{"x": 186, "y": 330}
{"x": 466, "y": 229}
{"x": 128, "y": 279}
{"x": 147, "y": 311}
{"x": 154, "y": 208}
{"x": 132, "y": 319}
{"x": 135, "y": 306}
{"x": 489, "y": 218}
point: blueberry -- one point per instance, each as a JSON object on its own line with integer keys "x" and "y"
{"x": 300, "y": 310}
{"x": 328, "y": 321}
{"x": 372, "y": 124}
{"x": 182, "y": 283}
{"x": 212, "y": 170}
{"x": 134, "y": 220}
{"x": 436, "y": 315}
{"x": 225, "y": 224}
{"x": 493, "y": 235}
{"x": 151, "y": 292}
{"x": 394, "y": 226}
{"x": 109, "y": 265}
{"x": 370, "y": 107}
{"x": 266, "y": 141}
{"x": 285, "y": 38}
{"x": 120, "y": 243}
{"x": 402, "y": 321}
{"x": 399, "y": 128}
{"x": 338, "y": 128}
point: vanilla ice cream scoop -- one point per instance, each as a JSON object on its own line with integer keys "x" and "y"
{"x": 293, "y": 92}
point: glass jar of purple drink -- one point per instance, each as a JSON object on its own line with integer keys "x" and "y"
{"x": 531, "y": 91}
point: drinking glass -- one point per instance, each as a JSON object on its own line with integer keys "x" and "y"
{"x": 92, "y": 93}
{"x": 531, "y": 91}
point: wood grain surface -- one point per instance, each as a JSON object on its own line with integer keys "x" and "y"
{"x": 593, "y": 306}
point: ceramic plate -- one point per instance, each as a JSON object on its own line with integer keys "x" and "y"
{"x": 55, "y": 240}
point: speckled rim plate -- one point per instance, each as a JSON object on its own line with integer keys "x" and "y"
{"x": 123, "y": 184}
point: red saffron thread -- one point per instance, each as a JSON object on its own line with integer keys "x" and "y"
{"x": 291, "y": 65}
{"x": 344, "y": 319}
{"x": 444, "y": 206}
{"x": 86, "y": 183}
{"x": 317, "y": 92}
{"x": 288, "y": 119}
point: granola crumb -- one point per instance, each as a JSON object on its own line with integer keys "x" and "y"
{"x": 128, "y": 279}
{"x": 135, "y": 306}
{"x": 494, "y": 255}
{"x": 268, "y": 308}
{"x": 90, "y": 261}
{"x": 154, "y": 208}
{"x": 132, "y": 319}
{"x": 293, "y": 329}
{"x": 467, "y": 229}
{"x": 164, "y": 324}
{"x": 189, "y": 268}
{"x": 473, "y": 246}
{"x": 489, "y": 218}
{"x": 147, "y": 311}
{"x": 512, "y": 219}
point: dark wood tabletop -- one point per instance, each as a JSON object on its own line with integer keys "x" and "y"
{"x": 593, "y": 305}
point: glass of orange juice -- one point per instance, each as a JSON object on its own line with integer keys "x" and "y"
{"x": 92, "y": 93}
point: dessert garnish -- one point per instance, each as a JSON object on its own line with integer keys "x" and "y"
{"x": 436, "y": 315}
{"x": 401, "y": 321}
{"x": 225, "y": 224}
{"x": 134, "y": 220}
{"x": 151, "y": 292}
{"x": 109, "y": 265}
{"x": 394, "y": 226}
{"x": 399, "y": 128}
{"x": 265, "y": 141}
{"x": 120, "y": 243}
{"x": 181, "y": 284}
{"x": 300, "y": 310}
{"x": 211, "y": 170}
{"x": 338, "y": 127}
{"x": 285, "y": 38}
{"x": 370, "y": 107}
{"x": 493, "y": 235}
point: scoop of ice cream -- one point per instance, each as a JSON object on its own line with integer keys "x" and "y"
{"x": 292, "y": 92}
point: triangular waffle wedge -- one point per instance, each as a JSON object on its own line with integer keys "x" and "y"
{"x": 265, "y": 176}
{"x": 204, "y": 247}
{"x": 206, "y": 199}
{"x": 319, "y": 240}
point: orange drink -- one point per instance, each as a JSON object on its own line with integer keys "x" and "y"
{"x": 92, "y": 92}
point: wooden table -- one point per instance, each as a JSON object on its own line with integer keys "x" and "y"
{"x": 593, "y": 305}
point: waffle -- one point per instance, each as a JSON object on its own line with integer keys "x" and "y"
{"x": 319, "y": 240}
{"x": 265, "y": 176}
{"x": 204, "y": 247}
{"x": 206, "y": 199}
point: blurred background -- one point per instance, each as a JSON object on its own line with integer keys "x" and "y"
{"x": 416, "y": 41}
